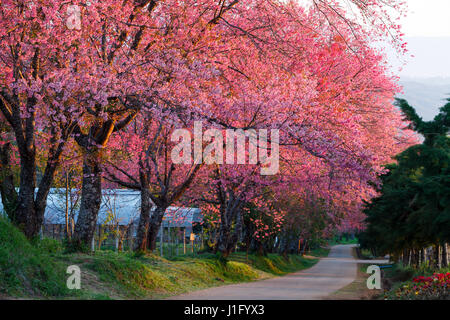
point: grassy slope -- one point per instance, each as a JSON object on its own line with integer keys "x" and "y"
{"x": 37, "y": 270}
{"x": 26, "y": 269}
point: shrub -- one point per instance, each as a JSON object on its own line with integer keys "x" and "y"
{"x": 49, "y": 245}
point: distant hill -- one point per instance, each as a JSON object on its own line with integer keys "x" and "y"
{"x": 427, "y": 95}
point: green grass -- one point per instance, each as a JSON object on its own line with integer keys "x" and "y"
{"x": 37, "y": 270}
{"x": 344, "y": 240}
{"x": 28, "y": 270}
{"x": 320, "y": 252}
{"x": 275, "y": 264}
{"x": 151, "y": 276}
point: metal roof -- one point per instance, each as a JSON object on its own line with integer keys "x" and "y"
{"x": 118, "y": 205}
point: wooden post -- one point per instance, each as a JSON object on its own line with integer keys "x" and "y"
{"x": 176, "y": 241}
{"x": 184, "y": 240}
{"x": 161, "y": 238}
{"x": 117, "y": 238}
{"x": 169, "y": 246}
{"x": 445, "y": 255}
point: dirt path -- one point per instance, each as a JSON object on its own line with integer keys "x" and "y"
{"x": 327, "y": 276}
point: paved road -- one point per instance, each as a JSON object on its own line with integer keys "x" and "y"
{"x": 327, "y": 276}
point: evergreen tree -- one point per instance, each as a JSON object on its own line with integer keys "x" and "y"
{"x": 413, "y": 209}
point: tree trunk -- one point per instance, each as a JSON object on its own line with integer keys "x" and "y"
{"x": 7, "y": 189}
{"x": 91, "y": 197}
{"x": 284, "y": 245}
{"x": 29, "y": 208}
{"x": 230, "y": 211}
{"x": 405, "y": 257}
{"x": 154, "y": 226}
{"x": 25, "y": 214}
{"x": 227, "y": 240}
{"x": 261, "y": 251}
{"x": 437, "y": 256}
{"x": 417, "y": 258}
{"x": 29, "y": 214}
{"x": 144, "y": 221}
{"x": 304, "y": 246}
{"x": 234, "y": 238}
{"x": 445, "y": 255}
{"x": 224, "y": 236}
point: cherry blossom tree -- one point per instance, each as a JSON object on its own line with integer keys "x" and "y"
{"x": 39, "y": 88}
{"x": 144, "y": 149}
{"x": 308, "y": 72}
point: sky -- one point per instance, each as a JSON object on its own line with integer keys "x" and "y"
{"x": 427, "y": 18}
{"x": 425, "y": 71}
{"x": 427, "y": 32}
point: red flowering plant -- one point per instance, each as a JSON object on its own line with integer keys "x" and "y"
{"x": 434, "y": 287}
